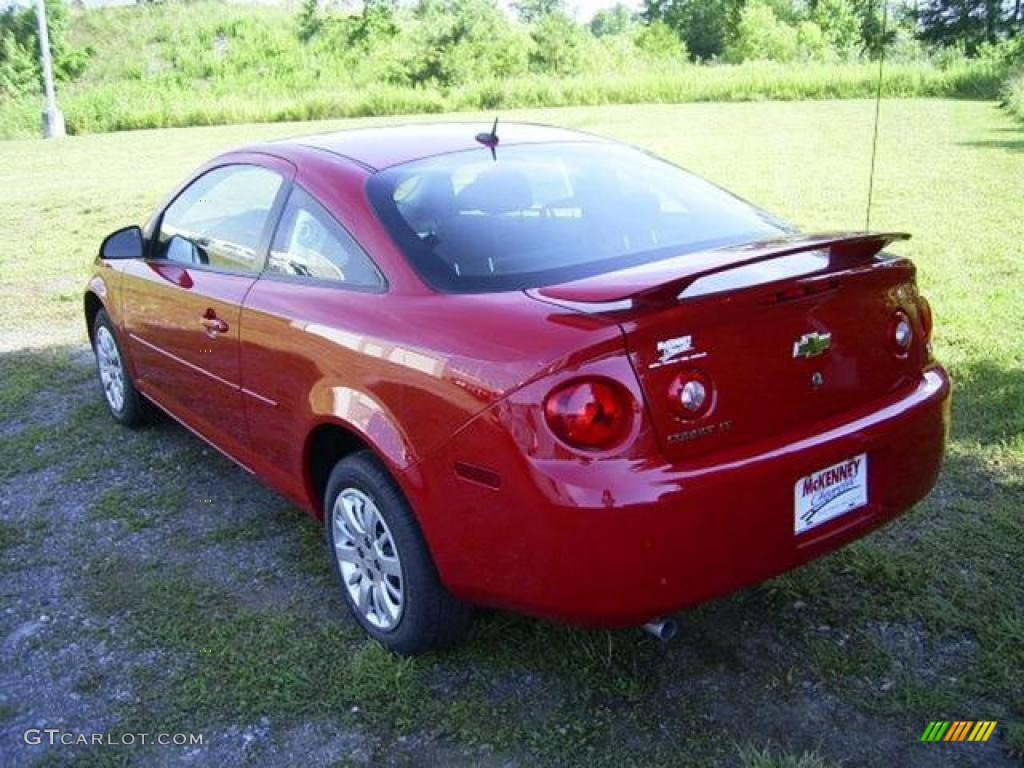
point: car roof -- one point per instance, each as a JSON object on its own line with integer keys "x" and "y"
{"x": 384, "y": 146}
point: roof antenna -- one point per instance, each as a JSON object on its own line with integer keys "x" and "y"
{"x": 878, "y": 108}
{"x": 490, "y": 140}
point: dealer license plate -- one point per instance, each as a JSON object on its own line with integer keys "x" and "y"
{"x": 830, "y": 492}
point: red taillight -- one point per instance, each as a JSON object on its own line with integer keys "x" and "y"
{"x": 595, "y": 414}
{"x": 690, "y": 395}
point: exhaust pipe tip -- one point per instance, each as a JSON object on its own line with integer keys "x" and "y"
{"x": 663, "y": 629}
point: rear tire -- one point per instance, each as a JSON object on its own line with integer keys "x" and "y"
{"x": 384, "y": 568}
{"x": 125, "y": 403}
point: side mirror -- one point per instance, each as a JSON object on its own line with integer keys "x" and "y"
{"x": 123, "y": 244}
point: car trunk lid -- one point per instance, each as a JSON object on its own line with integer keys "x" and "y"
{"x": 786, "y": 331}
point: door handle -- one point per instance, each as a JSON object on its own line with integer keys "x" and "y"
{"x": 213, "y": 324}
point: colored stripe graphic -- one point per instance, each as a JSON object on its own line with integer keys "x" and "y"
{"x": 982, "y": 730}
{"x": 959, "y": 730}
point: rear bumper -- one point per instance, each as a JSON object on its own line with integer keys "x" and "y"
{"x": 615, "y": 543}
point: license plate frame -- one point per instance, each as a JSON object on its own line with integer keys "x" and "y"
{"x": 830, "y": 492}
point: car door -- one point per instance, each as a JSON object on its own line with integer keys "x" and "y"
{"x": 308, "y": 319}
{"x": 182, "y": 303}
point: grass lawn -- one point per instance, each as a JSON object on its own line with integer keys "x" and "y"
{"x": 214, "y": 624}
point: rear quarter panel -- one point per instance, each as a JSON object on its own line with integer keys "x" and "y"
{"x": 402, "y": 372}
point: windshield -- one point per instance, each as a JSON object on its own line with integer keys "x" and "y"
{"x": 541, "y": 214}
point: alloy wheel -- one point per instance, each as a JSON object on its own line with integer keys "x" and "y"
{"x": 371, "y": 569}
{"x": 111, "y": 370}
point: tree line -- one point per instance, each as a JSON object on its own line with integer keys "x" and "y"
{"x": 441, "y": 43}
{"x": 738, "y": 29}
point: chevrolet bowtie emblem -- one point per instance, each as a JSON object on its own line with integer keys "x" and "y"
{"x": 812, "y": 344}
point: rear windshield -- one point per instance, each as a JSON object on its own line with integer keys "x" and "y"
{"x": 542, "y": 214}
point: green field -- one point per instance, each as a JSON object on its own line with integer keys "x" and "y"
{"x": 842, "y": 662}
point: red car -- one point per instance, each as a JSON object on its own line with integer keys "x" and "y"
{"x": 527, "y": 368}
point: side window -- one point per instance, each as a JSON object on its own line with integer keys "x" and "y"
{"x": 310, "y": 243}
{"x": 219, "y": 219}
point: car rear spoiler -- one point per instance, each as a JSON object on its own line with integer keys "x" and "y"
{"x": 664, "y": 280}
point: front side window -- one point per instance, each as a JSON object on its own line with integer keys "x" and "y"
{"x": 220, "y": 218}
{"x": 310, "y": 243}
{"x": 548, "y": 213}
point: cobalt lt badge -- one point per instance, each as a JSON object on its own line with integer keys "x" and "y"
{"x": 812, "y": 344}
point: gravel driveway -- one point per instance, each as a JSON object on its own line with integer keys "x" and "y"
{"x": 149, "y": 586}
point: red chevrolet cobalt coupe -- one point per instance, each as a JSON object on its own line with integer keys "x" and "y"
{"x": 526, "y": 368}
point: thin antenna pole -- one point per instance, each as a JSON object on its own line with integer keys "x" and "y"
{"x": 878, "y": 110}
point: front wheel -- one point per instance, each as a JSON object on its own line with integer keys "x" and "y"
{"x": 123, "y": 400}
{"x": 380, "y": 558}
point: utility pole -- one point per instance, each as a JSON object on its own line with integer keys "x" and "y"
{"x": 53, "y": 119}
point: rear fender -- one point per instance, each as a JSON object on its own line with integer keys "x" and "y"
{"x": 366, "y": 417}
{"x": 475, "y": 478}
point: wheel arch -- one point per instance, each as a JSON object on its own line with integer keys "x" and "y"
{"x": 91, "y": 304}
{"x": 326, "y": 444}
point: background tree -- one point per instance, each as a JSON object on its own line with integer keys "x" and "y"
{"x": 811, "y": 42}
{"x": 19, "y": 48}
{"x": 376, "y": 23}
{"x": 969, "y": 23}
{"x": 461, "y": 41}
{"x": 616, "y": 20}
{"x": 559, "y": 44}
{"x": 791, "y": 12}
{"x": 310, "y": 21}
{"x": 706, "y": 26}
{"x": 531, "y": 11}
{"x": 761, "y": 35}
{"x": 660, "y": 42}
{"x": 841, "y": 24}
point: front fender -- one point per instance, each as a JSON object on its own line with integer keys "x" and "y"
{"x": 103, "y": 291}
